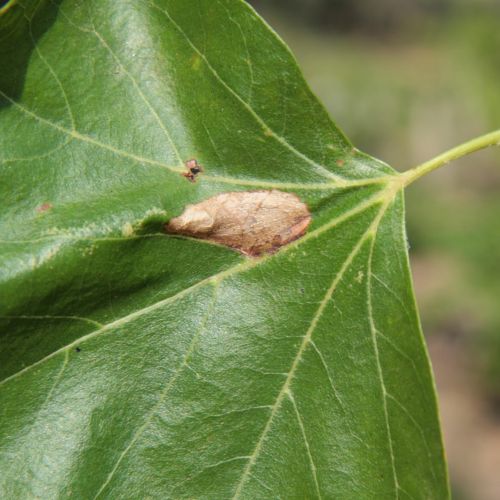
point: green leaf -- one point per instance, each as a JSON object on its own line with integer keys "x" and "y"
{"x": 138, "y": 364}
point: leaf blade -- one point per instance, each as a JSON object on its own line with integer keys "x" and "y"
{"x": 172, "y": 359}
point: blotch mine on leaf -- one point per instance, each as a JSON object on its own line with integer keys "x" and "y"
{"x": 253, "y": 222}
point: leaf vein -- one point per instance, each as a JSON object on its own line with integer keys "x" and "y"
{"x": 281, "y": 140}
{"x": 142, "y": 96}
{"x": 48, "y": 65}
{"x": 378, "y": 363}
{"x": 163, "y": 394}
{"x": 296, "y": 361}
{"x": 417, "y": 426}
{"x": 306, "y": 442}
{"x": 44, "y": 317}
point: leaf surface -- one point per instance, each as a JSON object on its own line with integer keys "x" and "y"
{"x": 139, "y": 364}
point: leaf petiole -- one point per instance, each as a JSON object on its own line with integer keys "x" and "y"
{"x": 481, "y": 142}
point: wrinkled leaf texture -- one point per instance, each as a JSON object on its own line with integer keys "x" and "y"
{"x": 136, "y": 364}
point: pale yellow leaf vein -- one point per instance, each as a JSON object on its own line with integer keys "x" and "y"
{"x": 304, "y": 345}
{"x": 320, "y": 169}
{"x": 306, "y": 442}
{"x": 45, "y": 154}
{"x": 85, "y": 138}
{"x": 142, "y": 96}
{"x": 58, "y": 377}
{"x": 334, "y": 391}
{"x": 327, "y": 371}
{"x": 51, "y": 69}
{"x": 405, "y": 356}
{"x": 379, "y": 366}
{"x": 248, "y": 59}
{"x": 190, "y": 478}
{"x": 164, "y": 393}
{"x": 48, "y": 317}
{"x": 27, "y": 436}
{"x": 418, "y": 427}
{"x": 395, "y": 296}
{"x": 237, "y": 411}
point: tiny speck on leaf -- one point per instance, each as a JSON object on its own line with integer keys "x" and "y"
{"x": 127, "y": 230}
{"x": 77, "y": 349}
{"x": 44, "y": 207}
{"x": 340, "y": 163}
{"x": 253, "y": 222}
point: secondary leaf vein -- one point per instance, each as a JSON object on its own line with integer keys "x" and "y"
{"x": 304, "y": 345}
{"x": 281, "y": 140}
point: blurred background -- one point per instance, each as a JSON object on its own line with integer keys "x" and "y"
{"x": 406, "y": 80}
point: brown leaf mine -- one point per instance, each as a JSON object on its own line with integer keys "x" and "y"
{"x": 252, "y": 222}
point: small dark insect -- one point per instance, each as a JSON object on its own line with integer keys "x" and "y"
{"x": 77, "y": 349}
{"x": 194, "y": 168}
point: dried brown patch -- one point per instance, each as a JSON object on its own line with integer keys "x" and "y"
{"x": 253, "y": 222}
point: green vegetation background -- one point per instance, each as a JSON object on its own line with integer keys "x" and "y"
{"x": 407, "y": 80}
